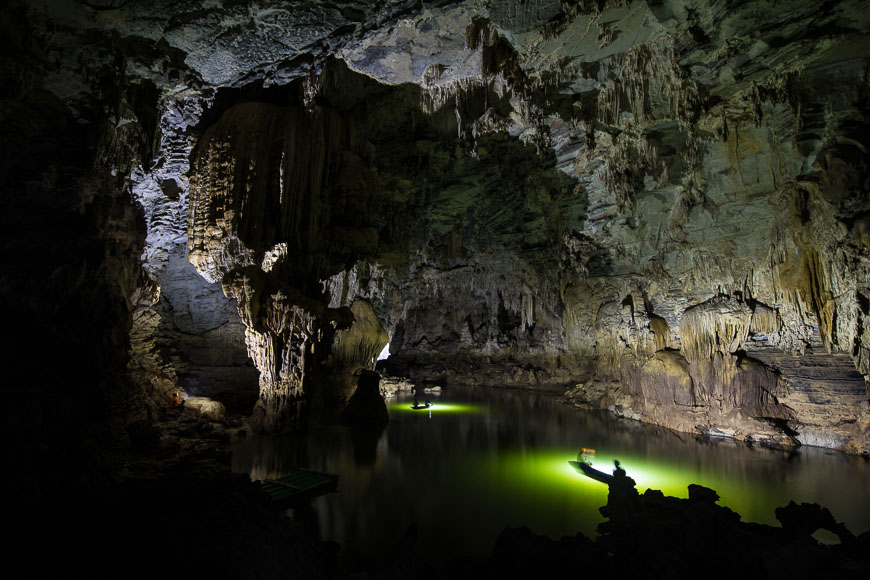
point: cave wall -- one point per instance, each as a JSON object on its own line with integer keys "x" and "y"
{"x": 659, "y": 208}
{"x": 71, "y": 241}
{"x": 187, "y": 336}
{"x": 720, "y": 259}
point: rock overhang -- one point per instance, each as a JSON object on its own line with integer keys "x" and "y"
{"x": 677, "y": 124}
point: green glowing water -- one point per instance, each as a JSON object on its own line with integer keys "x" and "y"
{"x": 480, "y": 460}
{"x": 439, "y": 408}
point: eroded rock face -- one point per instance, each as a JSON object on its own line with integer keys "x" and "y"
{"x": 353, "y": 351}
{"x": 186, "y": 334}
{"x": 280, "y": 199}
{"x": 661, "y": 208}
{"x": 637, "y": 198}
{"x": 714, "y": 253}
{"x": 70, "y": 255}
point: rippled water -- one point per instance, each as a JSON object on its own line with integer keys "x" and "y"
{"x": 480, "y": 460}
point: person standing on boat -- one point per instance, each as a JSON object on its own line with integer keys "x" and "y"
{"x": 618, "y": 471}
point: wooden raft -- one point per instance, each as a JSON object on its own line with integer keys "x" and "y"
{"x": 299, "y": 486}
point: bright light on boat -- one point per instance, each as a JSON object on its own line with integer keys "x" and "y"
{"x": 647, "y": 475}
{"x": 437, "y": 407}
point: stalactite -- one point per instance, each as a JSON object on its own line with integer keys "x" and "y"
{"x": 717, "y": 327}
{"x": 660, "y": 328}
{"x": 279, "y": 201}
{"x": 765, "y": 321}
{"x": 631, "y": 158}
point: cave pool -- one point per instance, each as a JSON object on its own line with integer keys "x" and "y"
{"x": 482, "y": 459}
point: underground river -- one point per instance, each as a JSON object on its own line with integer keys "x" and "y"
{"x": 480, "y": 460}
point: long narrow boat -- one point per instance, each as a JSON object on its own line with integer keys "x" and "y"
{"x": 424, "y": 406}
{"x": 299, "y": 486}
{"x": 590, "y": 471}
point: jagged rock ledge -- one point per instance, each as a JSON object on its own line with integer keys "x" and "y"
{"x": 650, "y": 535}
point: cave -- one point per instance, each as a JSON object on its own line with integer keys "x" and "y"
{"x": 240, "y": 238}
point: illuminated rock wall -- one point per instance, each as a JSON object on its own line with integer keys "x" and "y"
{"x": 654, "y": 221}
{"x": 659, "y": 207}
{"x": 186, "y": 335}
{"x": 718, "y": 255}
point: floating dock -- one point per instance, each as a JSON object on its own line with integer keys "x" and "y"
{"x": 299, "y": 486}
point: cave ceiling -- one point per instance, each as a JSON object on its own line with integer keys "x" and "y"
{"x": 593, "y": 190}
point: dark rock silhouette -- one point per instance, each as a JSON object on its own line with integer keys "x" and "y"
{"x": 366, "y": 406}
{"x": 651, "y": 535}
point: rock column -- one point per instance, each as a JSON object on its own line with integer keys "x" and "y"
{"x": 277, "y": 204}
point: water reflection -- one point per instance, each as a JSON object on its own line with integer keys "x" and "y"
{"x": 460, "y": 477}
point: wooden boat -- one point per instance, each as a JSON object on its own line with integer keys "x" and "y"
{"x": 589, "y": 471}
{"x": 423, "y": 406}
{"x": 299, "y": 486}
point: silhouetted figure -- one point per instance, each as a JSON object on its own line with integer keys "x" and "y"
{"x": 618, "y": 471}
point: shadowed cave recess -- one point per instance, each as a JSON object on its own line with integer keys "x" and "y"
{"x": 653, "y": 209}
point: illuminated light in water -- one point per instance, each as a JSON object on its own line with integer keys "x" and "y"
{"x": 437, "y": 407}
{"x": 671, "y": 479}
{"x": 553, "y": 465}
{"x": 540, "y": 475}
{"x": 826, "y": 537}
{"x": 544, "y": 476}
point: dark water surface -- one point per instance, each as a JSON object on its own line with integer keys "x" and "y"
{"x": 483, "y": 459}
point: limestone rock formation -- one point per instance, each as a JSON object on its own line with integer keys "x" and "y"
{"x": 354, "y": 351}
{"x": 205, "y": 407}
{"x": 680, "y": 290}
{"x": 658, "y": 208}
{"x": 280, "y": 200}
{"x": 392, "y": 386}
{"x": 185, "y": 333}
{"x": 628, "y": 200}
